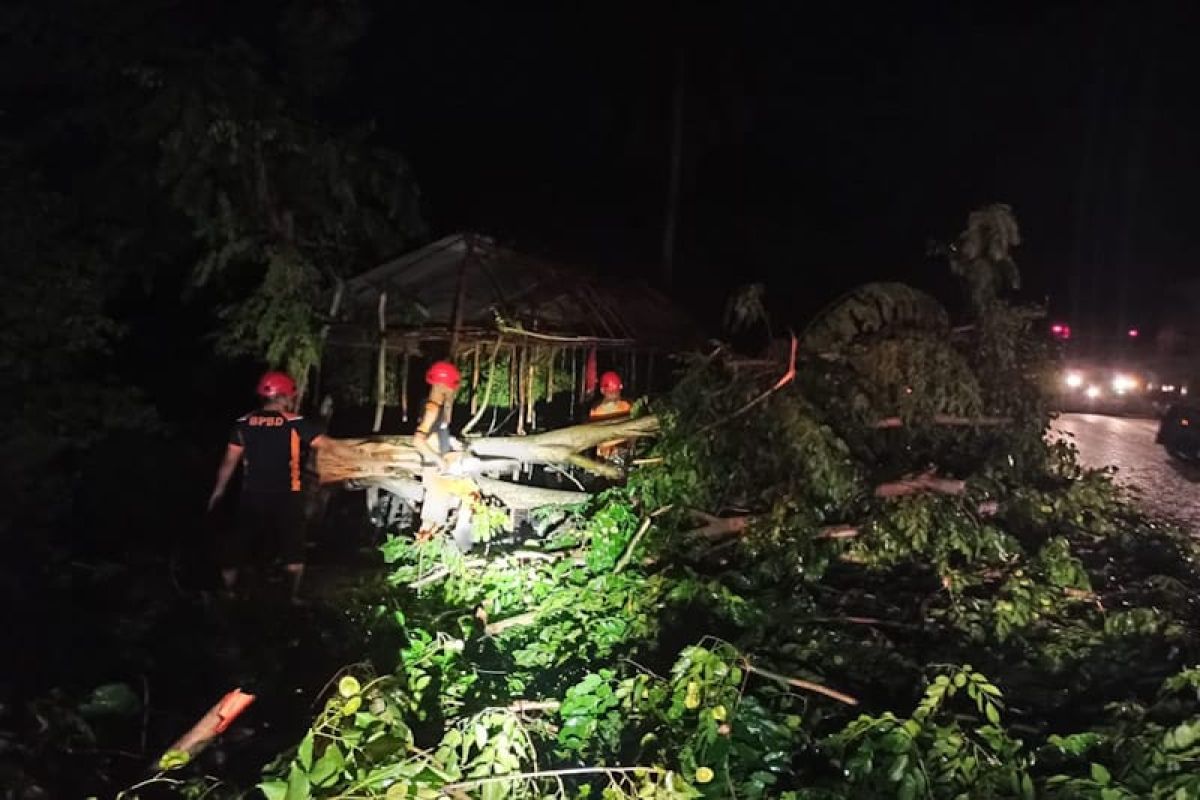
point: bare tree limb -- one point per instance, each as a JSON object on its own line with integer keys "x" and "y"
{"x": 784, "y": 380}
{"x": 949, "y": 420}
{"x": 799, "y": 683}
{"x": 623, "y": 561}
{"x": 496, "y": 628}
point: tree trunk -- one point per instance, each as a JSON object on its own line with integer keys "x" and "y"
{"x": 394, "y": 456}
{"x": 515, "y": 496}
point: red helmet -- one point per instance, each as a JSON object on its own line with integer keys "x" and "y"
{"x": 610, "y": 382}
{"x": 443, "y": 373}
{"x": 276, "y": 384}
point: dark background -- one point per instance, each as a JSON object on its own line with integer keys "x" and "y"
{"x": 822, "y": 145}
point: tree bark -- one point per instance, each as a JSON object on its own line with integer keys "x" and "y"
{"x": 515, "y": 496}
{"x": 949, "y": 420}
{"x": 395, "y": 457}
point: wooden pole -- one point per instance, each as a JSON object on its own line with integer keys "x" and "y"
{"x": 530, "y": 395}
{"x": 381, "y": 365}
{"x": 514, "y": 367}
{"x": 404, "y": 386}
{"x": 475, "y": 380}
{"x": 333, "y": 310}
{"x": 574, "y": 382}
{"x": 520, "y": 379}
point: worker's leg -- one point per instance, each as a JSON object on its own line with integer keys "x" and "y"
{"x": 235, "y": 543}
{"x": 291, "y": 535}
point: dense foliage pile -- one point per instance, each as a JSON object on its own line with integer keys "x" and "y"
{"x": 1032, "y": 636}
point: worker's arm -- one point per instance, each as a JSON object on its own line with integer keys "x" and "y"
{"x": 233, "y": 454}
{"x": 429, "y": 420}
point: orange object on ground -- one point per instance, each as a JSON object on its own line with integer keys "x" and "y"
{"x": 214, "y": 723}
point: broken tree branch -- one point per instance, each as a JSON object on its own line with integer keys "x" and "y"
{"x": 799, "y": 683}
{"x": 784, "y": 380}
{"x": 394, "y": 456}
{"x": 496, "y": 628}
{"x": 623, "y": 561}
{"x": 949, "y": 420}
{"x": 435, "y": 575}
{"x": 528, "y": 706}
{"x": 926, "y": 482}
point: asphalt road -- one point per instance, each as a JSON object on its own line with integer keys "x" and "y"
{"x": 1163, "y": 486}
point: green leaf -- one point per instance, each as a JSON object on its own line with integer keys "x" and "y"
{"x": 297, "y": 786}
{"x": 1100, "y": 774}
{"x": 304, "y": 753}
{"x": 111, "y": 699}
{"x": 326, "y": 770}
{"x": 899, "y": 766}
{"x": 349, "y": 686}
{"x": 273, "y": 790}
{"x": 992, "y": 714}
{"x": 174, "y": 759}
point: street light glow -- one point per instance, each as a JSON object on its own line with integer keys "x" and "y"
{"x": 1093, "y": 392}
{"x": 1073, "y": 380}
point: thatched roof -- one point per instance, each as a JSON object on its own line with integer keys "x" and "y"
{"x": 495, "y": 284}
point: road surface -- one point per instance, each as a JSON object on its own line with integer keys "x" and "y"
{"x": 1164, "y": 487}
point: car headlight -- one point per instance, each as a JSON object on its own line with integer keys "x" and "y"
{"x": 1124, "y": 383}
{"x": 1073, "y": 380}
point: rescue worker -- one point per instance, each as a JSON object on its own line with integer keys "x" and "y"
{"x": 270, "y": 443}
{"x": 610, "y": 406}
{"x": 440, "y": 452}
{"x": 443, "y": 379}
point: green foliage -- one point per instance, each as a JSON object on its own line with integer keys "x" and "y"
{"x": 548, "y": 673}
{"x": 871, "y": 309}
{"x": 746, "y": 308}
{"x": 551, "y": 375}
{"x": 982, "y": 254}
{"x": 281, "y": 207}
{"x": 56, "y": 340}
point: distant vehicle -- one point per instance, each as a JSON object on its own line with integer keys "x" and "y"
{"x": 1106, "y": 389}
{"x": 1119, "y": 374}
{"x": 1179, "y": 431}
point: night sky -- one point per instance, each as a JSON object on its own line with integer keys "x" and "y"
{"x": 822, "y": 146}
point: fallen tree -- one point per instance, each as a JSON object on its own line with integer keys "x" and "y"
{"x": 382, "y": 457}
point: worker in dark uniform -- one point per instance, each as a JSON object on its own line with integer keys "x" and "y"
{"x": 271, "y": 444}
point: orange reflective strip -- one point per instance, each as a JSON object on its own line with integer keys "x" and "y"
{"x": 295, "y": 461}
